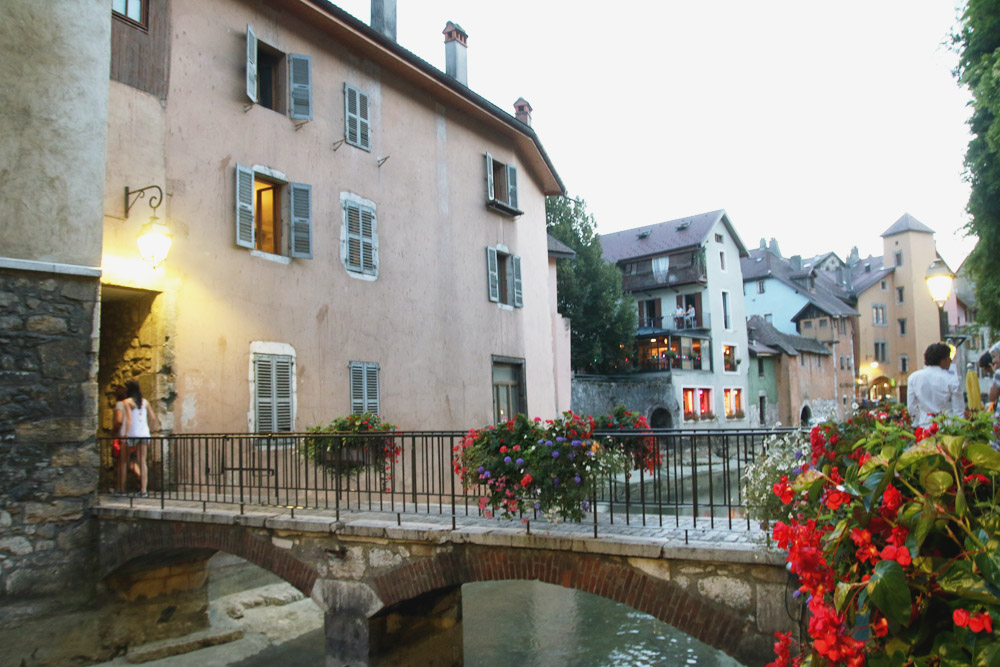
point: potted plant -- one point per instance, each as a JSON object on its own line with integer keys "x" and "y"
{"x": 352, "y": 442}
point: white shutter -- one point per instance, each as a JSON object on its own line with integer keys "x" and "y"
{"x": 518, "y": 300}
{"x": 301, "y": 207}
{"x": 357, "y": 387}
{"x": 283, "y": 394}
{"x": 252, "y": 64}
{"x": 512, "y": 186}
{"x": 367, "y": 238}
{"x": 244, "y": 207}
{"x": 300, "y": 80}
{"x": 371, "y": 388}
{"x": 350, "y": 115}
{"x": 264, "y": 390}
{"x": 492, "y": 274}
{"x": 490, "y": 195}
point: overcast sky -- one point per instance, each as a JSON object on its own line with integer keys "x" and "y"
{"x": 816, "y": 123}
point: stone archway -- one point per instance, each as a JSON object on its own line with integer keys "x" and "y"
{"x": 805, "y": 417}
{"x": 661, "y": 418}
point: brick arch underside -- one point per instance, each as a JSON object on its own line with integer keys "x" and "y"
{"x": 609, "y": 577}
{"x": 149, "y": 538}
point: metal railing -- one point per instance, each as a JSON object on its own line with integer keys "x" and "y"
{"x": 696, "y": 478}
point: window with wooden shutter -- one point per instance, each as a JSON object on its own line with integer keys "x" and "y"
{"x": 300, "y": 86}
{"x": 357, "y": 123}
{"x": 493, "y": 274}
{"x": 501, "y": 186}
{"x": 273, "y": 381}
{"x": 503, "y": 276}
{"x": 516, "y": 279}
{"x": 361, "y": 254}
{"x": 364, "y": 377}
{"x": 301, "y": 209}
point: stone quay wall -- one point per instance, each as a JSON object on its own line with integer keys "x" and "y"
{"x": 48, "y": 452}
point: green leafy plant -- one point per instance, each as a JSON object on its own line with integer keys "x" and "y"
{"x": 524, "y": 465}
{"x": 894, "y": 535}
{"x": 356, "y": 441}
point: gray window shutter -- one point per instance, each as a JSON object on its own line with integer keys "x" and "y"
{"x": 512, "y": 186}
{"x": 490, "y": 194}
{"x": 357, "y": 387}
{"x": 493, "y": 275}
{"x": 353, "y": 214}
{"x": 371, "y": 388}
{"x": 301, "y": 206}
{"x": 264, "y": 389}
{"x": 300, "y": 79}
{"x": 364, "y": 123}
{"x": 518, "y": 299}
{"x": 251, "y": 64}
{"x": 244, "y": 207}
{"x": 283, "y": 394}
{"x": 367, "y": 240}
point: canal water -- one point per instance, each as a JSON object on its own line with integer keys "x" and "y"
{"x": 531, "y": 624}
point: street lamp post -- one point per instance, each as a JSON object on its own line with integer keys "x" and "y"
{"x": 939, "y": 279}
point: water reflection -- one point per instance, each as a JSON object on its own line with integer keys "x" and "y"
{"x": 531, "y": 624}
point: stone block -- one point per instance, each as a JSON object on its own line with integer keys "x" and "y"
{"x": 85, "y": 456}
{"x": 79, "y": 290}
{"x": 66, "y": 359}
{"x": 46, "y": 324}
{"x": 656, "y": 568}
{"x": 771, "y": 613}
{"x": 732, "y": 592}
{"x": 17, "y": 545}
{"x": 58, "y": 429}
{"x": 59, "y": 510}
{"x": 76, "y": 482}
{"x": 11, "y": 323}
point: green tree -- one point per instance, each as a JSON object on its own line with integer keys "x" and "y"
{"x": 603, "y": 319}
{"x": 978, "y": 43}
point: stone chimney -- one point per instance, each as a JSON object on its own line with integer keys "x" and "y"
{"x": 522, "y": 111}
{"x": 795, "y": 261}
{"x": 774, "y": 247}
{"x": 384, "y": 17}
{"x": 456, "y": 53}
{"x": 853, "y": 258}
{"x": 763, "y": 243}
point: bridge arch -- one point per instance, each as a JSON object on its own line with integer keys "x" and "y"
{"x": 127, "y": 542}
{"x": 713, "y": 623}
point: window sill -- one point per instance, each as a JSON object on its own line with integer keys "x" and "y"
{"x": 360, "y": 275}
{"x": 505, "y": 306}
{"x": 503, "y": 207}
{"x": 277, "y": 259}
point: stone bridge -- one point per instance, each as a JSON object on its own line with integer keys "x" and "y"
{"x": 390, "y": 585}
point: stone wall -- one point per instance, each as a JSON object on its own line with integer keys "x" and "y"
{"x": 600, "y": 394}
{"x": 48, "y": 452}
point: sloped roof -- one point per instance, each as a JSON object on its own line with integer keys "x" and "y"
{"x": 762, "y": 332}
{"x": 862, "y": 279}
{"x": 907, "y": 223}
{"x": 665, "y": 237}
{"x": 826, "y": 295}
{"x": 560, "y": 250}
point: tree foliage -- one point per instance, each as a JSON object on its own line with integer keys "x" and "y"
{"x": 603, "y": 319}
{"x": 978, "y": 43}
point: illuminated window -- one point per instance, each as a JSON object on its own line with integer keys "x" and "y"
{"x": 697, "y": 403}
{"x": 733, "y": 399}
{"x": 729, "y": 358}
{"x": 273, "y": 215}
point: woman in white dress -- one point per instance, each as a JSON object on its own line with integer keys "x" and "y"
{"x": 138, "y": 429}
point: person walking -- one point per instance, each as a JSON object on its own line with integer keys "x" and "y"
{"x": 120, "y": 431}
{"x": 140, "y": 419}
{"x": 934, "y": 389}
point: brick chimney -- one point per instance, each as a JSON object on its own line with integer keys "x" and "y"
{"x": 456, "y": 53}
{"x": 384, "y": 17}
{"x": 522, "y": 111}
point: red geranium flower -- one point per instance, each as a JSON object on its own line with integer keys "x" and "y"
{"x": 784, "y": 490}
{"x": 961, "y": 617}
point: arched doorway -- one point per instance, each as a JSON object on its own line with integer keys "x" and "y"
{"x": 805, "y": 416}
{"x": 881, "y": 389}
{"x": 661, "y": 419}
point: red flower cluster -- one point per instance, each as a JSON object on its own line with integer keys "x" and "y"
{"x": 782, "y": 649}
{"x": 831, "y": 637}
{"x": 805, "y": 555}
{"x": 976, "y": 622}
{"x": 784, "y": 490}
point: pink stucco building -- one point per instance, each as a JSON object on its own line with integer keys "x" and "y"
{"x": 353, "y": 228}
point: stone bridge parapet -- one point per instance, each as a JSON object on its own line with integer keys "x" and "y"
{"x": 728, "y": 594}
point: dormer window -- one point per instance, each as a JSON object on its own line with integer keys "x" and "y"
{"x": 501, "y": 187}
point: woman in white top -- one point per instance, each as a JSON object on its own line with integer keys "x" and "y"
{"x": 138, "y": 429}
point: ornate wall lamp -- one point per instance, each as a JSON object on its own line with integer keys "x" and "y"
{"x": 154, "y": 236}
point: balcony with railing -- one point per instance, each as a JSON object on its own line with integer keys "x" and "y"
{"x": 683, "y": 270}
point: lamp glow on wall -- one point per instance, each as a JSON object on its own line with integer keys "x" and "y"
{"x": 154, "y": 236}
{"x": 939, "y": 280}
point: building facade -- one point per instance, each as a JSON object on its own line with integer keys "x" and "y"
{"x": 685, "y": 276}
{"x": 353, "y": 229}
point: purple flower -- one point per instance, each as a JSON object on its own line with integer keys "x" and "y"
{"x": 486, "y": 474}
{"x": 576, "y": 443}
{"x": 538, "y": 506}
{"x": 481, "y": 470}
{"x": 572, "y": 456}
{"x": 555, "y": 482}
{"x": 559, "y": 438}
{"x": 797, "y": 471}
{"x": 542, "y": 441}
{"x": 585, "y": 505}
{"x": 577, "y": 479}
{"x": 796, "y": 594}
{"x": 506, "y": 459}
{"x": 798, "y": 455}
{"x": 519, "y": 462}
{"x": 555, "y": 454}
{"x": 548, "y": 443}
